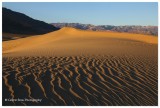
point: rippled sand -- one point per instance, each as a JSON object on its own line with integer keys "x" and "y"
{"x": 81, "y": 80}
{"x": 110, "y": 71}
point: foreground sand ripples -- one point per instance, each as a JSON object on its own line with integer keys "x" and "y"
{"x": 81, "y": 80}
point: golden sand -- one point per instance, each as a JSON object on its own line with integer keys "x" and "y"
{"x": 70, "y": 41}
{"x": 76, "y": 67}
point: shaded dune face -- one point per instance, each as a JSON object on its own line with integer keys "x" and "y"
{"x": 75, "y": 67}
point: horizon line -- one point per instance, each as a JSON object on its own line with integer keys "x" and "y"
{"x": 100, "y": 24}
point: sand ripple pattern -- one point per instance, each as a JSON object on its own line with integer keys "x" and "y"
{"x": 79, "y": 80}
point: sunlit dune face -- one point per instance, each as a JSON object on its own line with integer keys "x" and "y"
{"x": 72, "y": 41}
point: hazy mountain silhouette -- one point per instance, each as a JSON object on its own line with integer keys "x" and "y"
{"x": 149, "y": 30}
{"x": 18, "y": 23}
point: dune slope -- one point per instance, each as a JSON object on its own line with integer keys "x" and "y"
{"x": 75, "y": 67}
{"x": 70, "y": 41}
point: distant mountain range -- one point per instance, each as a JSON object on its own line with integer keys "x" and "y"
{"x": 18, "y": 23}
{"x": 149, "y": 30}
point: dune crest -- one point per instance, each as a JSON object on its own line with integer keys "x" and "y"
{"x": 72, "y": 41}
{"x": 137, "y": 37}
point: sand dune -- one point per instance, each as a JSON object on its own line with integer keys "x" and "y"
{"x": 76, "y": 67}
{"x": 70, "y": 41}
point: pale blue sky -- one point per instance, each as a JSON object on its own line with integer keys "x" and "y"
{"x": 97, "y": 13}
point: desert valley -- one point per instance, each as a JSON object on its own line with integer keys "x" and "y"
{"x": 69, "y": 66}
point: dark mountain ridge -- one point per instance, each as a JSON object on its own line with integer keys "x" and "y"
{"x": 18, "y": 23}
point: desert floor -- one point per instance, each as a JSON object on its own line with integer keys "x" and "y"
{"x": 76, "y": 67}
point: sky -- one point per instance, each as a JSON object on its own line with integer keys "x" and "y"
{"x": 96, "y": 13}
